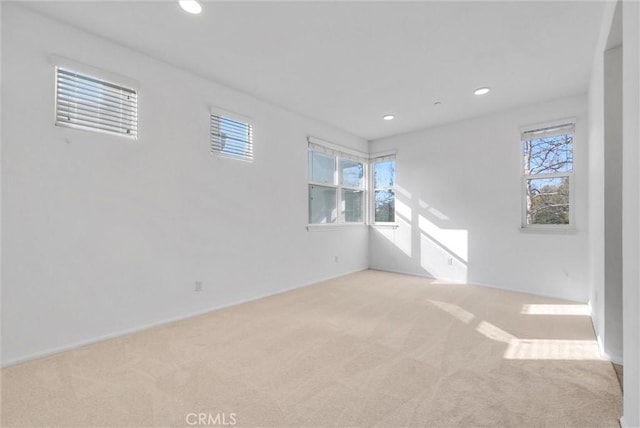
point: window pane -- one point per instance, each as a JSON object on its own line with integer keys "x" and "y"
{"x": 385, "y": 205}
{"x": 548, "y": 200}
{"x": 351, "y": 206}
{"x": 231, "y": 137}
{"x": 384, "y": 174}
{"x": 351, "y": 173}
{"x": 548, "y": 155}
{"x": 322, "y": 204}
{"x": 321, "y": 168}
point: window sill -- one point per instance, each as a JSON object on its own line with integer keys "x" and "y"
{"x": 384, "y": 226}
{"x": 331, "y": 227}
{"x": 570, "y": 230}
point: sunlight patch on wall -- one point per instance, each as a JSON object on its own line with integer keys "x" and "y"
{"x": 535, "y": 309}
{"x": 436, "y": 213}
{"x": 403, "y": 209}
{"x": 402, "y": 191}
{"x": 400, "y": 237}
{"x": 440, "y": 262}
{"x": 454, "y": 240}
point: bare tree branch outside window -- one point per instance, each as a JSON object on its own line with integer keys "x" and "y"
{"x": 547, "y": 168}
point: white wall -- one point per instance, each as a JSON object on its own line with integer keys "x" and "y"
{"x": 596, "y": 197}
{"x": 631, "y": 212}
{"x": 610, "y": 36}
{"x": 459, "y": 202}
{"x": 613, "y": 203}
{"x": 622, "y": 25}
{"x": 103, "y": 235}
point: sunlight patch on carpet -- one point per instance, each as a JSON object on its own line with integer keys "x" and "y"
{"x": 555, "y": 310}
{"x": 543, "y": 349}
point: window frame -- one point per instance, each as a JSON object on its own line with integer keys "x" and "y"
{"x": 570, "y": 175}
{"x": 338, "y": 153}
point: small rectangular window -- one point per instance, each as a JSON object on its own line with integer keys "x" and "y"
{"x": 85, "y": 102}
{"x": 547, "y": 180}
{"x": 231, "y": 137}
{"x": 384, "y": 192}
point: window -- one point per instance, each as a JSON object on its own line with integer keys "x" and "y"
{"x": 384, "y": 192}
{"x": 547, "y": 178}
{"x": 230, "y": 137}
{"x": 336, "y": 186}
{"x": 85, "y": 102}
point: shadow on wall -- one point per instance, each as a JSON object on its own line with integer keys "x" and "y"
{"x": 425, "y": 240}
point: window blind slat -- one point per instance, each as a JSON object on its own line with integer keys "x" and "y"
{"x": 122, "y": 95}
{"x": 83, "y": 108}
{"x": 71, "y": 116}
{"x": 231, "y": 137}
{"x": 92, "y": 86}
{"x": 77, "y": 87}
{"x": 88, "y": 80}
{"x": 65, "y": 94}
{"x": 97, "y": 125}
{"x": 89, "y": 103}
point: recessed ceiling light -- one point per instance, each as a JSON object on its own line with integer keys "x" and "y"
{"x": 482, "y": 91}
{"x": 388, "y": 117}
{"x": 191, "y": 6}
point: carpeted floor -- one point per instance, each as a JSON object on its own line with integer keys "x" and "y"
{"x": 368, "y": 349}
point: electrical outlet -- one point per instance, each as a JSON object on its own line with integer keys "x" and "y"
{"x": 450, "y": 261}
{"x": 198, "y": 286}
{"x": 335, "y": 259}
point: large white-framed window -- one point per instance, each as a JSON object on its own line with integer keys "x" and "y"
{"x": 547, "y": 176}
{"x": 384, "y": 189}
{"x": 337, "y": 183}
{"x": 87, "y": 102}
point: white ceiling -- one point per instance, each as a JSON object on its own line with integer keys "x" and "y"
{"x": 349, "y": 63}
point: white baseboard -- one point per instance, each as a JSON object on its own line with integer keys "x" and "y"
{"x": 401, "y": 272}
{"x": 142, "y": 327}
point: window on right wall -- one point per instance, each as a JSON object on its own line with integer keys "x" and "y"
{"x": 384, "y": 189}
{"x": 547, "y": 176}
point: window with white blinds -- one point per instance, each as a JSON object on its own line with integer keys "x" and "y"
{"x": 230, "y": 137}
{"x": 89, "y": 103}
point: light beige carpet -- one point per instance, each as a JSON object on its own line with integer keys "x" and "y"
{"x": 368, "y": 349}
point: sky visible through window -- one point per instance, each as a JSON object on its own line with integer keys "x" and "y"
{"x": 384, "y": 177}
{"x": 236, "y": 137}
{"x": 548, "y": 198}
